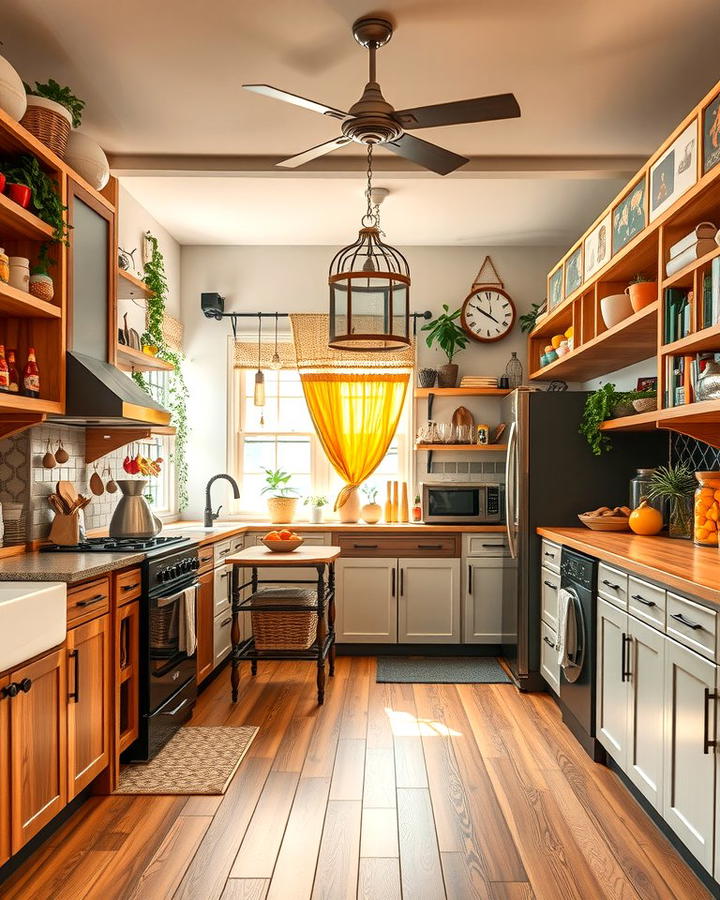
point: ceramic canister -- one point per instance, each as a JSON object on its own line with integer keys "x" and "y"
{"x": 20, "y": 273}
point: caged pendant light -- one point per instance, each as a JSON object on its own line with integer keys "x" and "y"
{"x": 369, "y": 289}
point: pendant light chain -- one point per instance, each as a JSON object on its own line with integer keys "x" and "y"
{"x": 275, "y": 362}
{"x": 371, "y": 219}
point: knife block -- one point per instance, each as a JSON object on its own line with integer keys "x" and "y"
{"x": 65, "y": 530}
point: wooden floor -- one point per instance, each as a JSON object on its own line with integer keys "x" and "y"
{"x": 414, "y": 791}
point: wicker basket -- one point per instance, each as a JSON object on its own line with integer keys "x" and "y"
{"x": 284, "y": 630}
{"x": 645, "y": 404}
{"x": 48, "y": 125}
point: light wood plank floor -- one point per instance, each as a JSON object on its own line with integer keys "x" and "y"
{"x": 388, "y": 791}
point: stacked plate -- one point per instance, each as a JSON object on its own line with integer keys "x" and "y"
{"x": 478, "y": 381}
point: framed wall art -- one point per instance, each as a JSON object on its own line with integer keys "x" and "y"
{"x": 573, "y": 271}
{"x": 711, "y": 134}
{"x": 555, "y": 287}
{"x": 597, "y": 247}
{"x": 629, "y": 217}
{"x": 674, "y": 172}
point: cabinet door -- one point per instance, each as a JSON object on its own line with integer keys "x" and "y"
{"x": 646, "y": 712}
{"x": 222, "y": 585}
{"x": 689, "y": 790}
{"x": 222, "y": 645}
{"x": 549, "y": 660}
{"x": 38, "y": 746}
{"x": 366, "y": 601}
{"x": 4, "y": 772}
{"x": 429, "y": 601}
{"x": 127, "y": 676}
{"x": 89, "y": 680}
{"x": 205, "y": 625}
{"x": 483, "y": 589}
{"x": 612, "y": 688}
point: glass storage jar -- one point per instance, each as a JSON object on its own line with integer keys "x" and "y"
{"x": 707, "y": 509}
{"x": 640, "y": 490}
{"x": 4, "y": 266}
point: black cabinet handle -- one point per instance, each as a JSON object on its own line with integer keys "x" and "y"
{"x": 365, "y": 546}
{"x": 394, "y": 575}
{"x": 498, "y": 546}
{"x": 551, "y": 555}
{"x": 470, "y": 579}
{"x": 429, "y": 546}
{"x": 615, "y": 587}
{"x": 402, "y": 581}
{"x": 226, "y": 622}
{"x": 96, "y": 599}
{"x": 707, "y": 743}
{"x": 75, "y": 695}
{"x": 641, "y": 599}
{"x": 548, "y": 641}
{"x": 10, "y": 691}
{"x": 679, "y": 617}
{"x": 625, "y": 670}
{"x": 553, "y": 587}
{"x": 224, "y": 574}
{"x": 25, "y": 685}
{"x": 127, "y": 587}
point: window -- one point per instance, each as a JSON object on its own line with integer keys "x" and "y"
{"x": 280, "y": 435}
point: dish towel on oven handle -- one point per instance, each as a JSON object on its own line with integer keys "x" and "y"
{"x": 187, "y": 638}
{"x": 567, "y": 629}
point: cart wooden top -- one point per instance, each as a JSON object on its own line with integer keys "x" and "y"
{"x": 303, "y": 556}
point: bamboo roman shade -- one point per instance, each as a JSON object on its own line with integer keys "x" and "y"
{"x": 245, "y": 354}
{"x": 310, "y": 334}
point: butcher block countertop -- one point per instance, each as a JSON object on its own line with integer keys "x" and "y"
{"x": 674, "y": 563}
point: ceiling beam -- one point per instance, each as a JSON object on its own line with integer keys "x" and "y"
{"x": 346, "y": 166}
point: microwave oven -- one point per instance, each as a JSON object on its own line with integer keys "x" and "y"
{"x": 463, "y": 503}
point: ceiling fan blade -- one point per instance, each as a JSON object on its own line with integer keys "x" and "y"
{"x": 432, "y": 157}
{"x": 460, "y": 112}
{"x": 294, "y": 161}
{"x": 267, "y": 91}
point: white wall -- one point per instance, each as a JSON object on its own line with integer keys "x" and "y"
{"x": 294, "y": 279}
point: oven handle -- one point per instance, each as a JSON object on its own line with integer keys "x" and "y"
{"x": 177, "y": 709}
{"x": 166, "y": 599}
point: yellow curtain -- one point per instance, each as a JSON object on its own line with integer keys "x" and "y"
{"x": 355, "y": 415}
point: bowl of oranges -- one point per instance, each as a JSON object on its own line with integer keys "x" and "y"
{"x": 283, "y": 541}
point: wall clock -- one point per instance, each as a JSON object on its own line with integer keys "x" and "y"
{"x": 488, "y": 311}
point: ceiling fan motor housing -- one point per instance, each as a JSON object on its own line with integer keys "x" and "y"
{"x": 372, "y": 119}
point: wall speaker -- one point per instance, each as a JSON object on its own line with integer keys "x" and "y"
{"x": 212, "y": 304}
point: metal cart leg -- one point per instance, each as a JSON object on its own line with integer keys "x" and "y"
{"x": 331, "y": 616}
{"x": 235, "y": 633}
{"x": 321, "y": 633}
{"x": 254, "y": 577}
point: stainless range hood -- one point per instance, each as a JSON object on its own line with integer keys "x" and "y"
{"x": 100, "y": 394}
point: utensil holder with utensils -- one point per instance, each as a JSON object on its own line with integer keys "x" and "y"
{"x": 67, "y": 505}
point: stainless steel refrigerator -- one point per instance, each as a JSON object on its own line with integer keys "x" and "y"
{"x": 551, "y": 476}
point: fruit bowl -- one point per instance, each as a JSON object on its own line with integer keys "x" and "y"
{"x": 282, "y": 541}
{"x": 605, "y": 523}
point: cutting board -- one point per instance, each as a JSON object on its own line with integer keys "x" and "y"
{"x": 463, "y": 416}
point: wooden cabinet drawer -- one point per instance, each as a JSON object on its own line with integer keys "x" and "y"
{"x": 549, "y": 590}
{"x": 436, "y": 544}
{"x": 128, "y": 586}
{"x": 206, "y": 556}
{"x": 613, "y": 585}
{"x": 485, "y": 544}
{"x": 549, "y": 662}
{"x": 88, "y": 601}
{"x": 222, "y": 549}
{"x": 693, "y": 625}
{"x": 647, "y": 602}
{"x": 550, "y": 556}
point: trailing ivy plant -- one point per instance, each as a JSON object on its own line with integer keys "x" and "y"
{"x": 45, "y": 199}
{"x": 156, "y": 281}
{"x": 599, "y": 407}
{"x": 51, "y": 90}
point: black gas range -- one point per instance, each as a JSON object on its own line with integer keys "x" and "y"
{"x": 118, "y": 545}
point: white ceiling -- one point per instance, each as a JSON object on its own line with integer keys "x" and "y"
{"x": 596, "y": 77}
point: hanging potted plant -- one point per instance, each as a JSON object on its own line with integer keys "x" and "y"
{"x": 52, "y": 111}
{"x": 316, "y": 505}
{"x": 41, "y": 283}
{"x": 282, "y": 501}
{"x": 676, "y": 485}
{"x": 450, "y": 338}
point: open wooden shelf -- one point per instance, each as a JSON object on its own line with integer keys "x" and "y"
{"x": 628, "y": 342}
{"x": 684, "y": 277}
{"x": 462, "y": 447}
{"x": 639, "y": 422}
{"x": 100, "y": 441}
{"x": 19, "y": 303}
{"x": 18, "y": 222}
{"x": 130, "y": 288}
{"x": 461, "y": 392}
{"x": 14, "y": 402}
{"x": 707, "y": 339}
{"x": 130, "y": 359}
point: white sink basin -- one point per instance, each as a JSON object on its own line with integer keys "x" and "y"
{"x": 33, "y": 618}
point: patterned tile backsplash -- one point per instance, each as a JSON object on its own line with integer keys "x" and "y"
{"x": 699, "y": 456}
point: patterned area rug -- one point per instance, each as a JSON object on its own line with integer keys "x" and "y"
{"x": 196, "y": 760}
{"x": 440, "y": 670}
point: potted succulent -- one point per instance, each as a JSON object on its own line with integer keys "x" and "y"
{"x": 41, "y": 283}
{"x": 676, "y": 485}
{"x": 282, "y": 501}
{"x": 642, "y": 291}
{"x": 316, "y": 505}
{"x": 449, "y": 336}
{"x": 52, "y": 111}
{"x": 371, "y": 511}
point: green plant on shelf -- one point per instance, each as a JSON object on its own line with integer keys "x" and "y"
{"x": 51, "y": 90}
{"x": 528, "y": 319}
{"x": 446, "y": 333}
{"x": 177, "y": 392}
{"x": 640, "y": 278}
{"x": 45, "y": 199}
{"x": 44, "y": 261}
{"x": 600, "y": 406}
{"x": 316, "y": 501}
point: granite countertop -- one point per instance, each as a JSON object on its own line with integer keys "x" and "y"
{"x": 68, "y": 567}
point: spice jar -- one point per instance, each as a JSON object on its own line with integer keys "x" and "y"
{"x": 483, "y": 434}
{"x": 4, "y": 266}
{"x": 707, "y": 509}
{"x": 20, "y": 273}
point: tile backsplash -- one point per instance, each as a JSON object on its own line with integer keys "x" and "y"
{"x": 699, "y": 456}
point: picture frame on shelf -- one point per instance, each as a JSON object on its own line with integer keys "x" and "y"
{"x": 629, "y": 217}
{"x": 573, "y": 271}
{"x": 674, "y": 172}
{"x": 711, "y": 134}
{"x": 596, "y": 247}
{"x": 647, "y": 384}
{"x": 555, "y": 287}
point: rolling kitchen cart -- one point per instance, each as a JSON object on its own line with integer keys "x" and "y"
{"x": 254, "y": 558}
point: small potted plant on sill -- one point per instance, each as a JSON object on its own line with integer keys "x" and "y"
{"x": 316, "y": 505}
{"x": 450, "y": 338}
{"x": 642, "y": 291}
{"x": 52, "y": 111}
{"x": 371, "y": 511}
{"x": 283, "y": 499}
{"x": 676, "y": 485}
{"x": 41, "y": 283}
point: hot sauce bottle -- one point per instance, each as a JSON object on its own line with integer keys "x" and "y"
{"x": 417, "y": 509}
{"x": 31, "y": 375}
{"x": 14, "y": 386}
{"x": 4, "y": 372}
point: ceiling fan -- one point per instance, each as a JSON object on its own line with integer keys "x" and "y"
{"x": 372, "y": 120}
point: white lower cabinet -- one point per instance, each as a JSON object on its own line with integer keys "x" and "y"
{"x": 484, "y": 584}
{"x": 366, "y": 601}
{"x": 549, "y": 659}
{"x": 689, "y": 807}
{"x": 612, "y": 692}
{"x": 429, "y": 601}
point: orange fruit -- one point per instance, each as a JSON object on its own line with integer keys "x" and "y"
{"x": 272, "y": 536}
{"x": 285, "y": 535}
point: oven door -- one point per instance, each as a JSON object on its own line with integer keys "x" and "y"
{"x": 448, "y": 503}
{"x": 171, "y": 642}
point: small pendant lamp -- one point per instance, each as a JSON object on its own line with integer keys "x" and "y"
{"x": 275, "y": 362}
{"x": 259, "y": 396}
{"x": 369, "y": 289}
